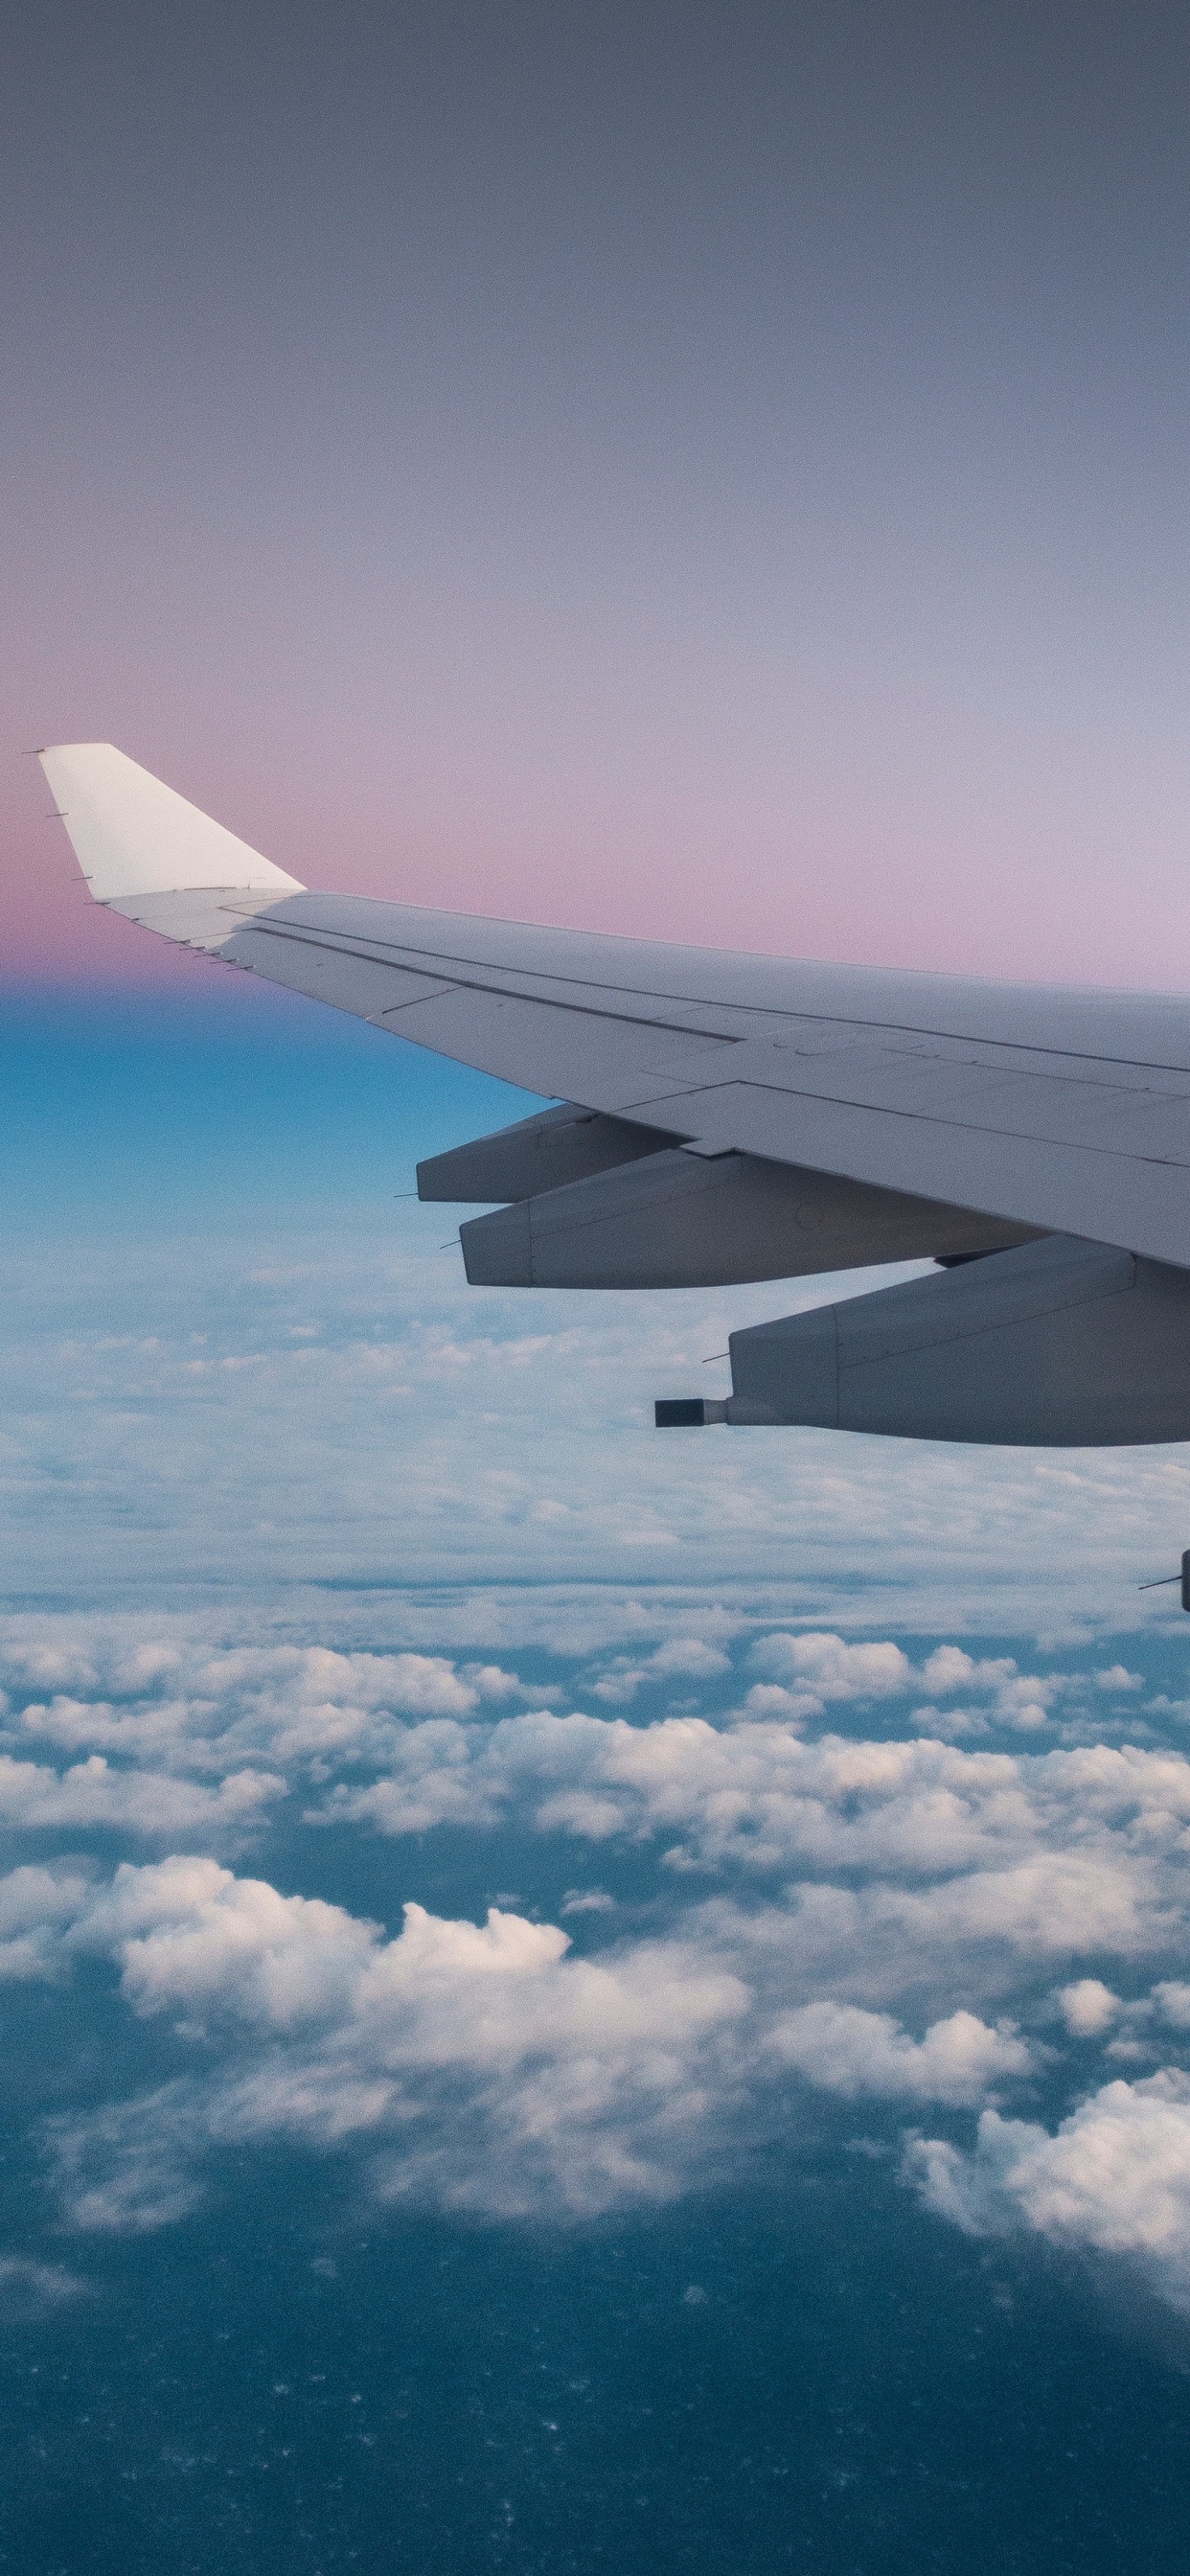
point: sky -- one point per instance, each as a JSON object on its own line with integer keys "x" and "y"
{"x": 629, "y": 467}
{"x": 572, "y": 2000}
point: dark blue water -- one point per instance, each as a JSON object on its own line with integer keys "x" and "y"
{"x": 816, "y": 2378}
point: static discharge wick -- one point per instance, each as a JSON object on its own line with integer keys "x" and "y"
{"x": 1160, "y": 1580}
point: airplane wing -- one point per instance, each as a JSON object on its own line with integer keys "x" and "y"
{"x": 724, "y": 1116}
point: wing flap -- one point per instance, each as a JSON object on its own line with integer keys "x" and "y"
{"x": 1103, "y": 1196}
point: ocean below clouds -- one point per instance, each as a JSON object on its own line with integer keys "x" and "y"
{"x": 572, "y": 1999}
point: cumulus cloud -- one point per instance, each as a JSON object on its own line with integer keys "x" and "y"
{"x": 35, "y": 1907}
{"x": 234, "y": 1716}
{"x": 1022, "y": 1701}
{"x": 1088, "y": 2007}
{"x": 314, "y": 1711}
{"x": 848, "y": 2051}
{"x": 93, "y": 1794}
{"x": 1115, "y": 2177}
{"x": 868, "y": 1915}
{"x": 190, "y": 1935}
{"x": 1050, "y": 1854}
{"x": 481, "y": 2065}
{"x": 493, "y": 2068}
{"x": 688, "y": 1659}
{"x": 822, "y": 1668}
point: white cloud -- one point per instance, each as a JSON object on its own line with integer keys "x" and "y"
{"x": 689, "y": 1658}
{"x": 1088, "y": 2007}
{"x": 489, "y": 1422}
{"x": 92, "y": 1794}
{"x": 411, "y": 1685}
{"x": 951, "y": 1668}
{"x": 676, "y": 1659}
{"x": 301, "y": 1710}
{"x": 1023, "y": 1701}
{"x": 320, "y": 1715}
{"x": 772, "y": 1700}
{"x": 131, "y": 2167}
{"x": 491, "y": 2067}
{"x": 49, "y": 1663}
{"x": 828, "y": 1669}
{"x": 913, "y": 1904}
{"x": 1116, "y": 2177}
{"x": 849, "y": 2051}
{"x": 190, "y": 1936}
{"x": 35, "y": 1906}
{"x": 485, "y": 2065}
{"x": 1047, "y": 1856}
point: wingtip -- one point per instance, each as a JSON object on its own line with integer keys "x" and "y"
{"x": 132, "y": 835}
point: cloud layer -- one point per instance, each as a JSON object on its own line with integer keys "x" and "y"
{"x": 483, "y": 2065}
{"x": 853, "y": 1877}
{"x": 237, "y": 1403}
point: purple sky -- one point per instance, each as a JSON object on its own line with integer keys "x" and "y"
{"x": 701, "y": 472}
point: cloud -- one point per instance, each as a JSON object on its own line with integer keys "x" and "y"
{"x": 493, "y": 2068}
{"x": 879, "y": 1917}
{"x": 1088, "y": 2007}
{"x": 145, "y": 1803}
{"x": 246, "y": 1720}
{"x": 30, "y": 2289}
{"x": 516, "y": 1448}
{"x": 825, "y": 1668}
{"x": 1116, "y": 2177}
{"x": 35, "y": 1907}
{"x": 482, "y": 2065}
{"x": 676, "y": 1659}
{"x": 848, "y": 2051}
{"x": 690, "y": 1658}
{"x": 1022, "y": 1701}
{"x": 190, "y": 1936}
{"x": 131, "y": 2167}
{"x": 1050, "y": 1854}
{"x": 317, "y": 1715}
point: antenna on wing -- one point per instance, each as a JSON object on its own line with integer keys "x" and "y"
{"x": 1159, "y": 1580}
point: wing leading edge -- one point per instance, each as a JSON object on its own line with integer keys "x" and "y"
{"x": 729, "y": 1116}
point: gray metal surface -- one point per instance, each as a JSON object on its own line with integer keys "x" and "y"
{"x": 1057, "y": 1344}
{"x": 542, "y": 1153}
{"x": 1055, "y": 1110}
{"x": 681, "y": 1220}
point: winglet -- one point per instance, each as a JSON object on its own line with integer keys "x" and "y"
{"x": 134, "y": 836}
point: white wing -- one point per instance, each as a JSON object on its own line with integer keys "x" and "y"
{"x": 1038, "y": 1110}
